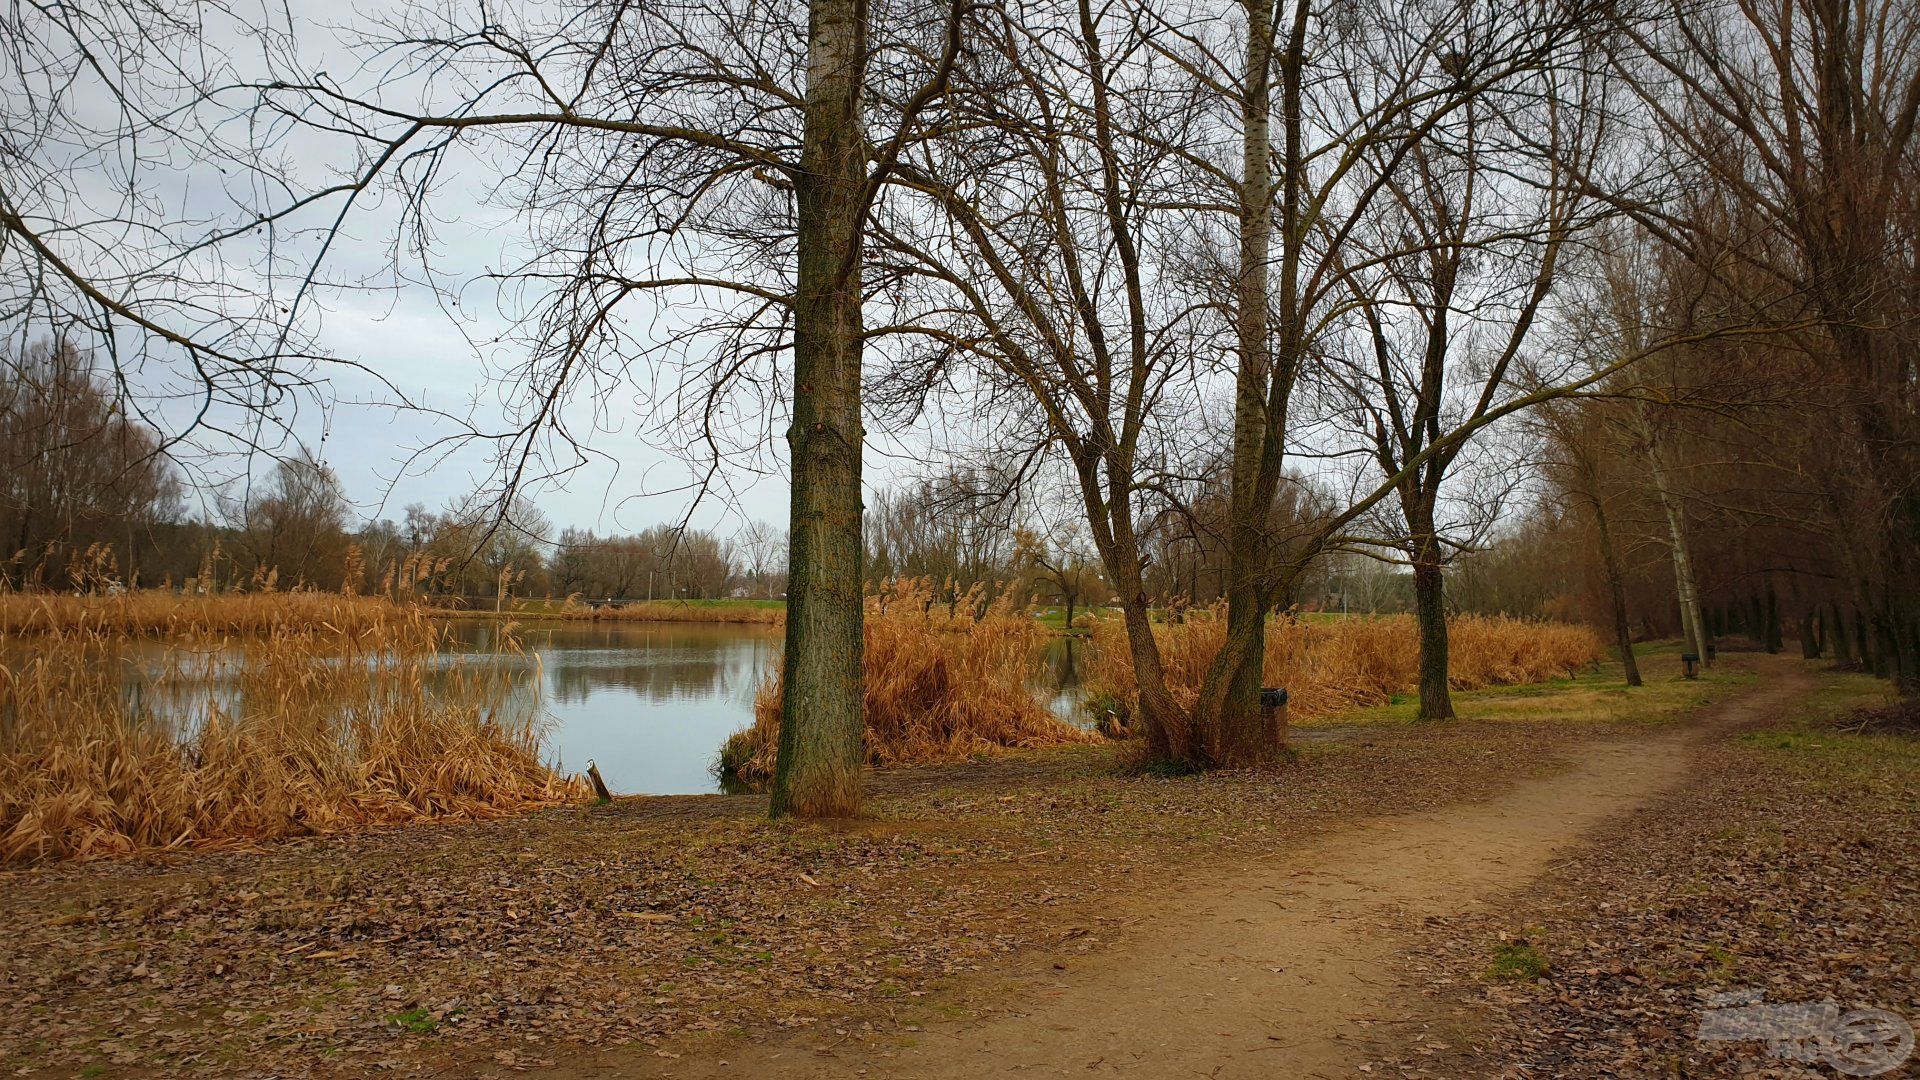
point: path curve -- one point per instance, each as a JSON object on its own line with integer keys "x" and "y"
{"x": 1287, "y": 966}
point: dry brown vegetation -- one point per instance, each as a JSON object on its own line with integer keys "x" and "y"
{"x": 944, "y": 680}
{"x": 166, "y": 613}
{"x": 479, "y": 949}
{"x": 1329, "y": 666}
{"x": 332, "y": 713}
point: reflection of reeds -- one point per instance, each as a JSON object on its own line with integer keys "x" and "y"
{"x": 1331, "y": 665}
{"x": 330, "y": 722}
{"x": 944, "y": 680}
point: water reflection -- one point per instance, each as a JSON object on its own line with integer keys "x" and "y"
{"x": 650, "y": 703}
{"x": 1059, "y": 684}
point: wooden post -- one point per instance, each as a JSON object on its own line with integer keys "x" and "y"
{"x": 1273, "y": 711}
{"x": 599, "y": 786}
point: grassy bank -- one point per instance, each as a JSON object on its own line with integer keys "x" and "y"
{"x": 325, "y": 717}
{"x": 1594, "y": 694}
{"x": 1339, "y": 665}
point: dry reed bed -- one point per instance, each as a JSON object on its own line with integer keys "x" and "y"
{"x": 944, "y": 680}
{"x": 166, "y": 613}
{"x": 317, "y": 723}
{"x": 1331, "y": 666}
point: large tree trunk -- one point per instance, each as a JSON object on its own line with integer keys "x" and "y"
{"x": 1228, "y": 710}
{"x": 1430, "y": 610}
{"x": 822, "y": 728}
{"x": 1429, "y": 602}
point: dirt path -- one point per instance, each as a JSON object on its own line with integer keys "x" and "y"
{"x": 1287, "y": 966}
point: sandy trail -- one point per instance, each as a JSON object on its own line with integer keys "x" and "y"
{"x": 1285, "y": 966}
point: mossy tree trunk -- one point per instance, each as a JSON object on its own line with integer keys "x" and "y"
{"x": 822, "y": 728}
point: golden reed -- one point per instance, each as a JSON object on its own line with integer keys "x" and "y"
{"x": 131, "y": 723}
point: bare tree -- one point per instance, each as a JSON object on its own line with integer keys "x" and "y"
{"x": 1377, "y": 85}
{"x": 294, "y": 527}
{"x": 1028, "y": 261}
{"x": 765, "y": 548}
{"x": 1459, "y": 259}
{"x": 1576, "y": 455}
{"x": 75, "y": 469}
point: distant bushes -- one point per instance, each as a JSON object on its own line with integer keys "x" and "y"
{"x": 945, "y": 679}
{"x": 1331, "y": 665}
{"x": 752, "y": 612}
{"x": 337, "y": 713}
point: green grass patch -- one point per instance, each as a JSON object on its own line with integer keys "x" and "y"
{"x": 1883, "y": 767}
{"x": 1599, "y": 695}
{"x": 415, "y": 1021}
{"x": 1518, "y": 961}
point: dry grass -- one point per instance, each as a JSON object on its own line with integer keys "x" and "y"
{"x": 1332, "y": 666}
{"x": 165, "y": 613}
{"x": 943, "y": 682}
{"x": 334, "y": 715}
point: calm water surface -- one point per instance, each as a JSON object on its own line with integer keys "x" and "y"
{"x": 651, "y": 703}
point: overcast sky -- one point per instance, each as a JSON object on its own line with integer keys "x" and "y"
{"x": 441, "y": 345}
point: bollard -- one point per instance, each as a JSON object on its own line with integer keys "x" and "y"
{"x": 1273, "y": 710}
{"x": 1690, "y": 664}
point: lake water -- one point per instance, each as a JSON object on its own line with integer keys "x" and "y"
{"x": 650, "y": 703}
